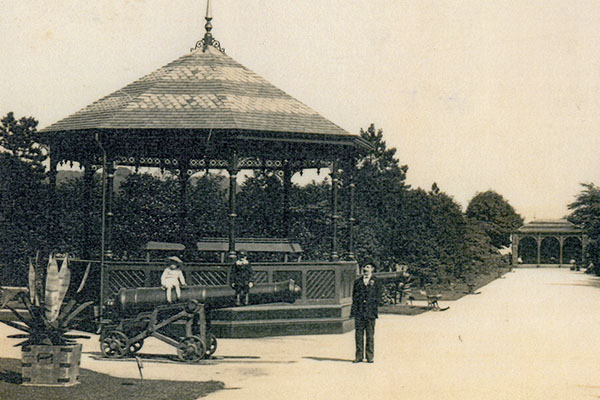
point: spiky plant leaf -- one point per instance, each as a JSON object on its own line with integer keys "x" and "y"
{"x": 69, "y": 336}
{"x": 85, "y": 276}
{"x": 31, "y": 277}
{"x": 64, "y": 278}
{"x": 17, "y": 326}
{"x": 79, "y": 309}
{"x": 19, "y": 316}
{"x": 67, "y": 309}
{"x": 51, "y": 303}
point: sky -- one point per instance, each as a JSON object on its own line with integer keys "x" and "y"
{"x": 474, "y": 95}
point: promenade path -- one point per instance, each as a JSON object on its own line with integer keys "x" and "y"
{"x": 534, "y": 334}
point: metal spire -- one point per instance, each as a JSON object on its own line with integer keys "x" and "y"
{"x": 208, "y": 39}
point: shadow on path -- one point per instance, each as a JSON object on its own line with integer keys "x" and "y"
{"x": 329, "y": 359}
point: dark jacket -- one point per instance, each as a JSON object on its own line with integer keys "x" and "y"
{"x": 365, "y": 299}
{"x": 241, "y": 275}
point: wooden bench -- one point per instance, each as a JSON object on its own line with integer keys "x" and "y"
{"x": 161, "y": 246}
{"x": 432, "y": 299}
{"x": 257, "y": 245}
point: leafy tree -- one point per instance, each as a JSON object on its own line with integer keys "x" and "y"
{"x": 260, "y": 205}
{"x": 22, "y": 217}
{"x": 20, "y": 138}
{"x": 23, "y": 209}
{"x": 380, "y": 183}
{"x": 586, "y": 212}
{"x": 498, "y": 217}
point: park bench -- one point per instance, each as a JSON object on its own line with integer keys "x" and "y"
{"x": 221, "y": 245}
{"x": 151, "y": 247}
{"x": 432, "y": 297}
{"x": 251, "y": 245}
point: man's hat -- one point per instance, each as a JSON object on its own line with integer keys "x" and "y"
{"x": 175, "y": 259}
{"x": 371, "y": 261}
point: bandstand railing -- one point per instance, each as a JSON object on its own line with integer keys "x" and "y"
{"x": 322, "y": 282}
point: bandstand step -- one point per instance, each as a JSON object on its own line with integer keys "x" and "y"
{"x": 281, "y": 327}
{"x": 281, "y": 311}
{"x": 281, "y": 320}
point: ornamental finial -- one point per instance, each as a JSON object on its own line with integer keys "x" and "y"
{"x": 208, "y": 39}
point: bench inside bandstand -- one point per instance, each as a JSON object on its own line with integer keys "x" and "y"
{"x": 221, "y": 246}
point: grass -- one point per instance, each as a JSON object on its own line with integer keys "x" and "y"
{"x": 98, "y": 386}
{"x": 402, "y": 309}
{"x": 448, "y": 294}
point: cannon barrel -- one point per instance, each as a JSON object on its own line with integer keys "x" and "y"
{"x": 387, "y": 277}
{"x": 222, "y": 296}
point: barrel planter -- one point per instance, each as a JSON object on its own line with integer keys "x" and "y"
{"x": 44, "y": 365}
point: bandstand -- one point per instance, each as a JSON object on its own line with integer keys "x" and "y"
{"x": 549, "y": 238}
{"x": 204, "y": 111}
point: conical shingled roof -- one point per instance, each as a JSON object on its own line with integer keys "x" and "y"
{"x": 200, "y": 90}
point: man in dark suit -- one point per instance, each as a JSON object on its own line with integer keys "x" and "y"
{"x": 365, "y": 299}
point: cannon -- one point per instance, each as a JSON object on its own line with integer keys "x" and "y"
{"x": 136, "y": 314}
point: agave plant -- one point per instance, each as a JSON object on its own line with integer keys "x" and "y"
{"x": 49, "y": 321}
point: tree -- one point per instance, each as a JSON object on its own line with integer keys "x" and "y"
{"x": 586, "y": 212}
{"x": 380, "y": 183}
{"x": 22, "y": 217}
{"x": 20, "y": 138}
{"x": 23, "y": 205}
{"x": 498, "y": 217}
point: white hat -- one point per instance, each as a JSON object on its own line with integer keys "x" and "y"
{"x": 175, "y": 259}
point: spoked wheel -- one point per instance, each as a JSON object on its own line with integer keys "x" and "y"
{"x": 212, "y": 345}
{"x": 114, "y": 344}
{"x": 136, "y": 346}
{"x": 191, "y": 349}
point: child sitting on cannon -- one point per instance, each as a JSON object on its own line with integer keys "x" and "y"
{"x": 241, "y": 279}
{"x": 172, "y": 277}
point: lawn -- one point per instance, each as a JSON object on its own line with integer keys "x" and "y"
{"x": 96, "y": 386}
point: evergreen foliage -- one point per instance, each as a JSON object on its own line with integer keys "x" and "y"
{"x": 586, "y": 212}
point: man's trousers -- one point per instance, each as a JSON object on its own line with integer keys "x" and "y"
{"x": 364, "y": 327}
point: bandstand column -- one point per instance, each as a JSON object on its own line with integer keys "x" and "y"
{"x": 287, "y": 184}
{"x": 334, "y": 210}
{"x": 352, "y": 187}
{"x": 110, "y": 190}
{"x": 183, "y": 180}
{"x": 515, "y": 249}
{"x": 88, "y": 179}
{"x": 538, "y": 239}
{"x": 51, "y": 210}
{"x": 233, "y": 170}
{"x": 561, "y": 242}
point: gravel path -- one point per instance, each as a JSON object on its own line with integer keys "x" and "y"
{"x": 530, "y": 335}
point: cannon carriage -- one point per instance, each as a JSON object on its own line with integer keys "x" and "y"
{"x": 136, "y": 314}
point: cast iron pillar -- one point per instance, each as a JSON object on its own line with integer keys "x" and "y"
{"x": 110, "y": 190}
{"x": 334, "y": 210}
{"x": 351, "y": 219}
{"x": 287, "y": 184}
{"x": 233, "y": 170}
{"x": 539, "y": 249}
{"x": 515, "y": 249}
{"x": 52, "y": 206}
{"x": 183, "y": 181}
{"x": 88, "y": 179}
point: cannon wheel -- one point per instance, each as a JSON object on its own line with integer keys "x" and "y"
{"x": 212, "y": 345}
{"x": 136, "y": 346}
{"x": 191, "y": 349}
{"x": 114, "y": 344}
